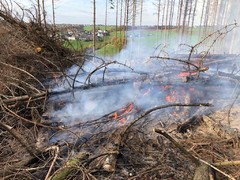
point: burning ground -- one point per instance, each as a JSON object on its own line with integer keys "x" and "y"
{"x": 114, "y": 117}
{"x": 67, "y": 116}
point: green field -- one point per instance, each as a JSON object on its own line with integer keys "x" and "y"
{"x": 101, "y": 27}
{"x": 110, "y": 45}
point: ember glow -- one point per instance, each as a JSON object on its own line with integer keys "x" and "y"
{"x": 186, "y": 74}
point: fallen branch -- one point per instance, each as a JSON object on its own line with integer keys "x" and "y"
{"x": 14, "y": 114}
{"x": 227, "y": 163}
{"x": 202, "y": 171}
{"x": 24, "y": 98}
{"x": 20, "y": 139}
{"x": 183, "y": 150}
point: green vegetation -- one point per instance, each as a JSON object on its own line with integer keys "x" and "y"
{"x": 100, "y": 27}
{"x": 108, "y": 45}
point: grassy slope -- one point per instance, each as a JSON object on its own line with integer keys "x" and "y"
{"x": 104, "y": 46}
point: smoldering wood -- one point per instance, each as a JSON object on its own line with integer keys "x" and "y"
{"x": 190, "y": 123}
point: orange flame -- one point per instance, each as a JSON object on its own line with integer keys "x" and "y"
{"x": 118, "y": 114}
{"x": 171, "y": 98}
{"x": 122, "y": 121}
{"x": 189, "y": 73}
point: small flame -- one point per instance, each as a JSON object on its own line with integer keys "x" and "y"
{"x": 122, "y": 122}
{"x": 189, "y": 73}
{"x": 171, "y": 97}
{"x": 118, "y": 114}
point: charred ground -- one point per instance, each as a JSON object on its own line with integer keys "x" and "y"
{"x": 204, "y": 146}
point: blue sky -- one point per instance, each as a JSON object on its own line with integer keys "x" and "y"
{"x": 80, "y": 11}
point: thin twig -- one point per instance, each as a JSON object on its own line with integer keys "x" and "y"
{"x": 56, "y": 150}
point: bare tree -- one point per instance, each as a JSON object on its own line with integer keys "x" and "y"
{"x": 225, "y": 12}
{"x": 39, "y": 13}
{"x": 171, "y": 12}
{"x": 190, "y": 12}
{"x": 158, "y": 6}
{"x": 116, "y": 17}
{"x": 166, "y": 23}
{"x": 180, "y": 8}
{"x": 44, "y": 16}
{"x": 202, "y": 14}
{"x": 94, "y": 27}
{"x": 194, "y": 12}
{"x": 134, "y": 13}
{"x": 185, "y": 15}
{"x": 126, "y": 14}
{"x": 141, "y": 12}
{"x": 53, "y": 14}
{"x": 164, "y": 7}
{"x": 121, "y": 14}
{"x": 106, "y": 15}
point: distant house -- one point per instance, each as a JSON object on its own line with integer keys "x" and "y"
{"x": 69, "y": 37}
{"x": 102, "y": 33}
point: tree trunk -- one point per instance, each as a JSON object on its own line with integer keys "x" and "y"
{"x": 106, "y": 7}
{"x": 190, "y": 12}
{"x": 201, "y": 20}
{"x": 166, "y": 22}
{"x": 38, "y": 13}
{"x": 44, "y": 16}
{"x": 141, "y": 12}
{"x": 121, "y": 11}
{"x": 94, "y": 27}
{"x": 194, "y": 12}
{"x": 116, "y": 16}
{"x": 225, "y": 12}
{"x": 185, "y": 16}
{"x": 163, "y": 13}
{"x": 180, "y": 6}
{"x": 171, "y": 13}
{"x": 158, "y": 14}
{"x": 53, "y": 14}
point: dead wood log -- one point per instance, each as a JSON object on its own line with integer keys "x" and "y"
{"x": 204, "y": 170}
